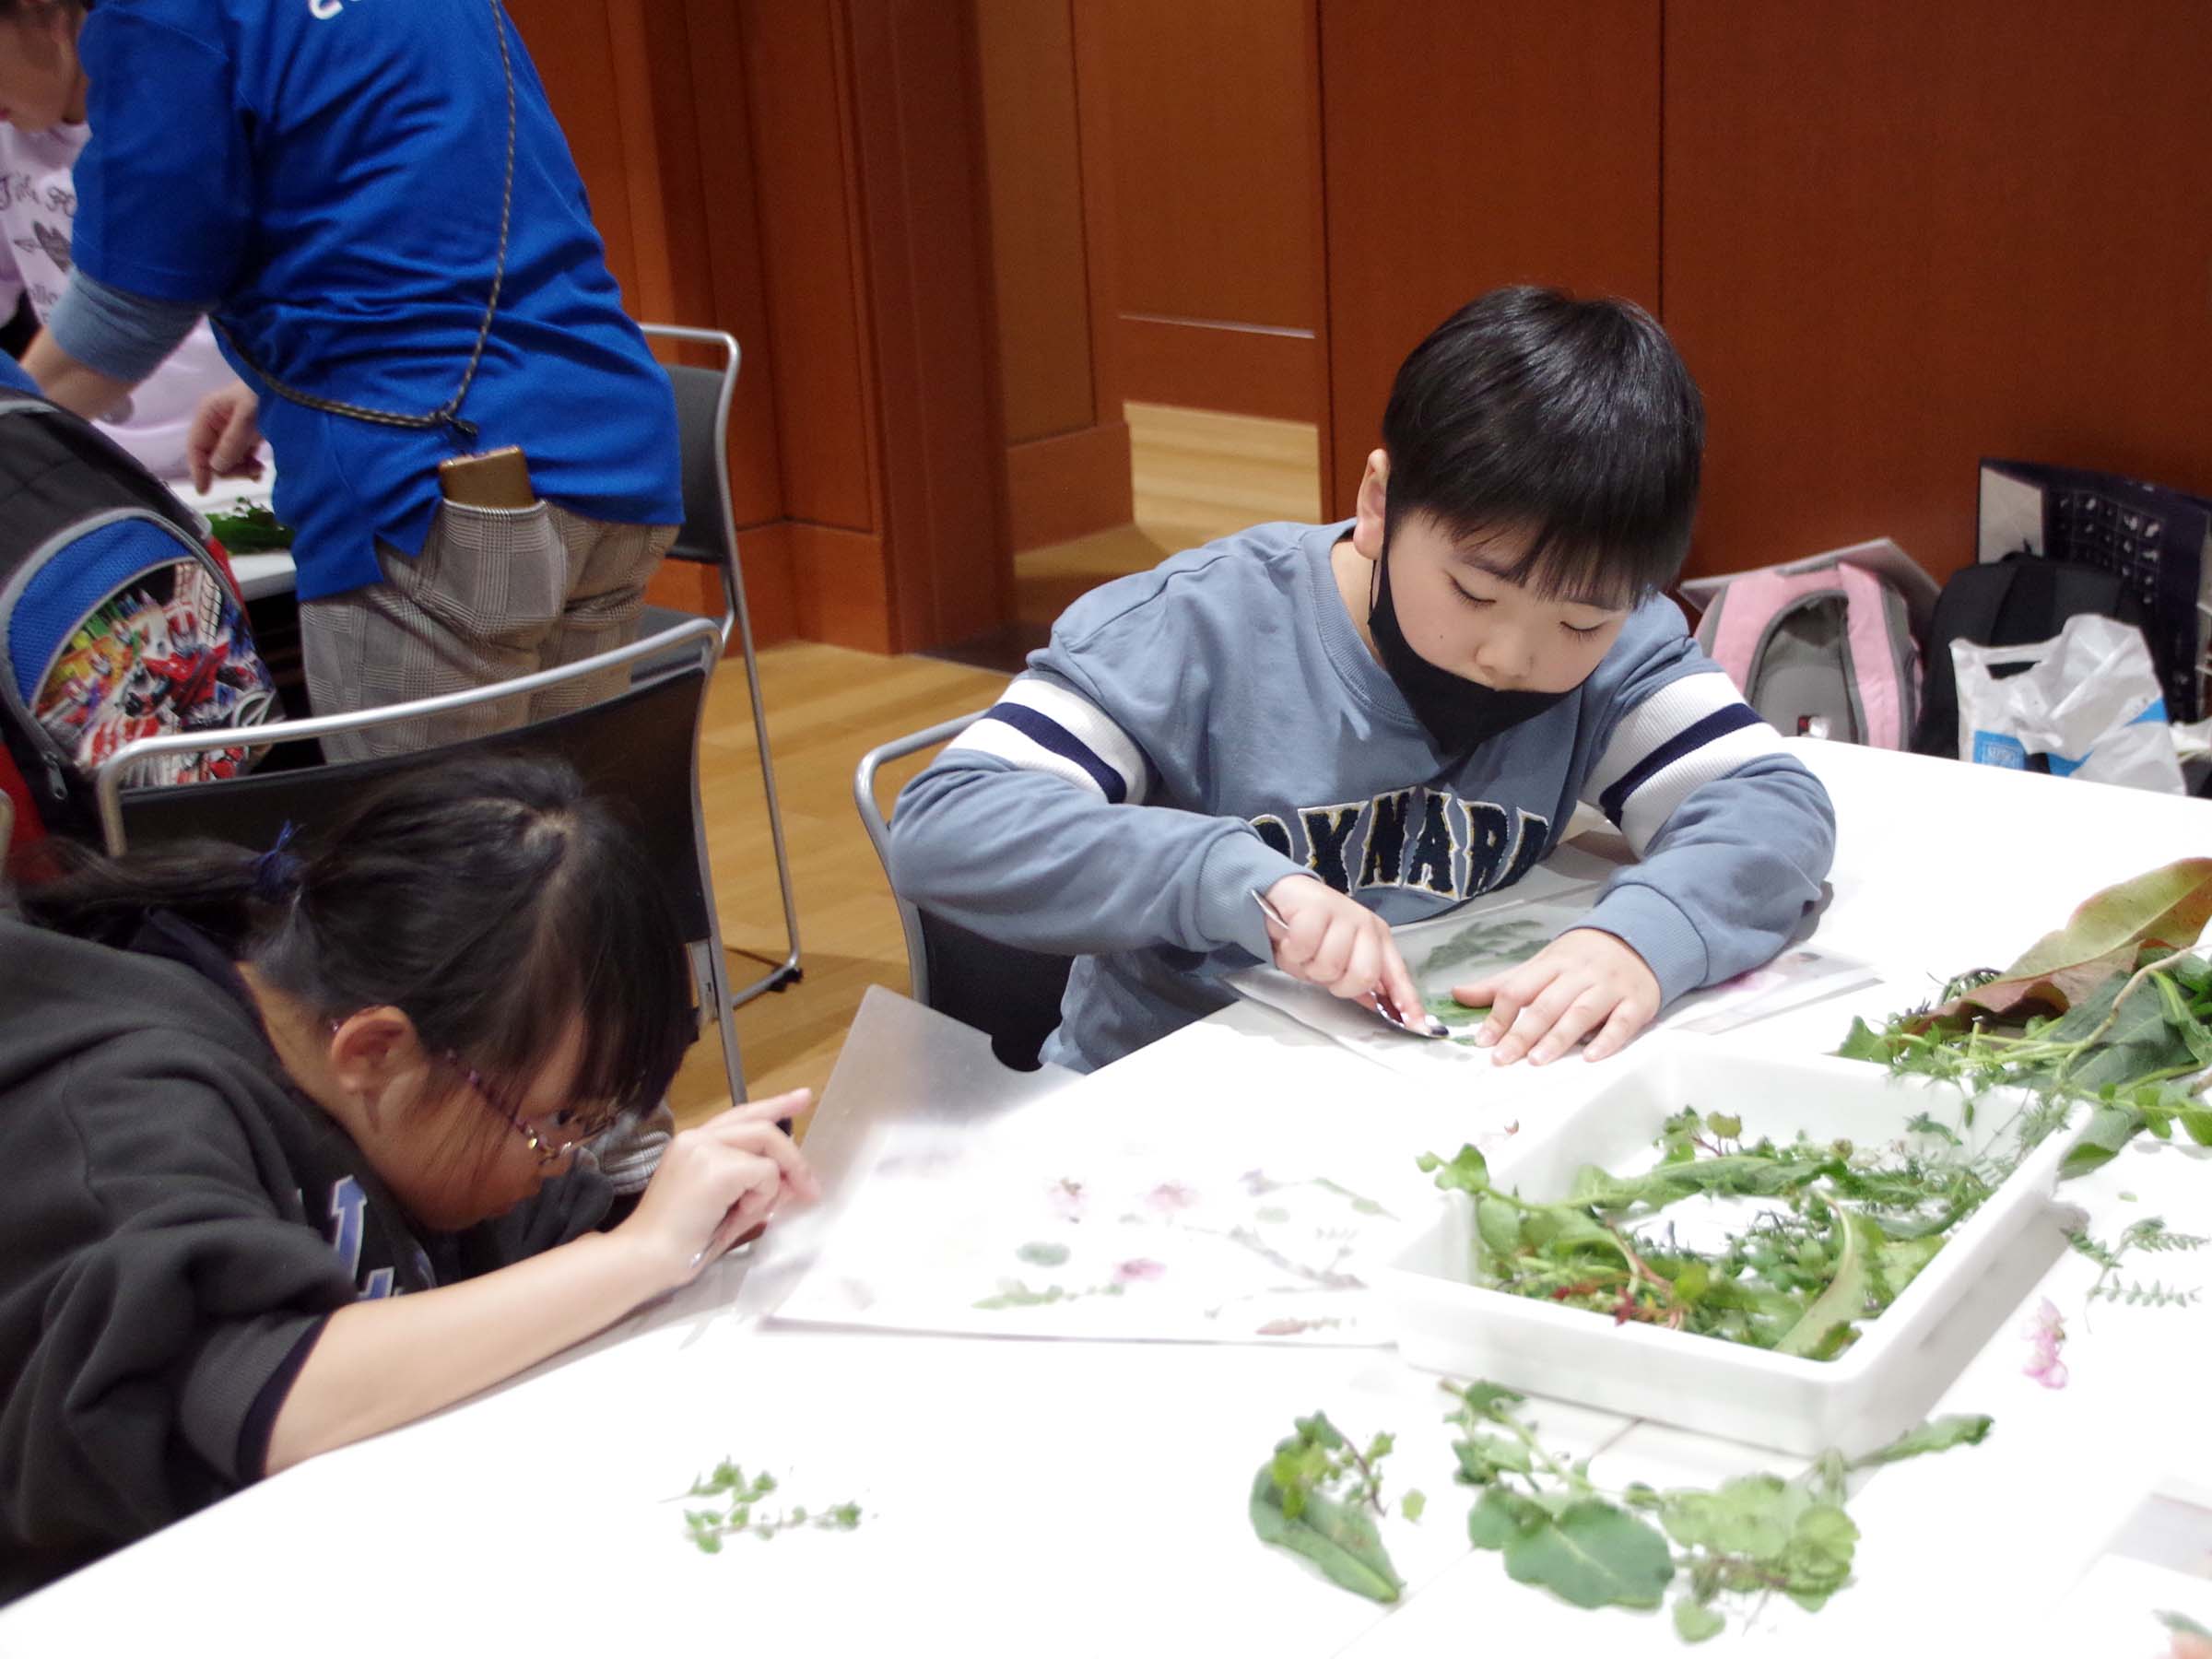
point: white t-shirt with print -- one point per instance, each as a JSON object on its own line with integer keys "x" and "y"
{"x": 37, "y": 207}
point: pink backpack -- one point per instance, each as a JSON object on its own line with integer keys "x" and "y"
{"x": 1821, "y": 651}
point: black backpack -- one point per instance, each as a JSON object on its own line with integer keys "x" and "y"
{"x": 2017, "y": 600}
{"x": 105, "y": 638}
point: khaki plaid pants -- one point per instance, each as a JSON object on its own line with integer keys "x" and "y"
{"x": 495, "y": 592}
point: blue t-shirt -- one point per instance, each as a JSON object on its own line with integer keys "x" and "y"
{"x": 325, "y": 176}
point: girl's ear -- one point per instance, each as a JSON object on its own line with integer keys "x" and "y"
{"x": 371, "y": 1048}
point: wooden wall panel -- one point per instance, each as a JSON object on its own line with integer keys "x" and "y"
{"x": 1471, "y": 143}
{"x": 912, "y": 74}
{"x": 810, "y": 264}
{"x": 1201, "y": 134}
{"x": 728, "y": 238}
{"x": 1067, "y": 450}
{"x": 568, "y": 44}
{"x": 1901, "y": 236}
{"x": 1034, "y": 167}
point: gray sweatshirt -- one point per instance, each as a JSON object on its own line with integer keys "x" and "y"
{"x": 1215, "y": 725}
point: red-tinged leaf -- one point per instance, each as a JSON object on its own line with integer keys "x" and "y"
{"x": 2165, "y": 909}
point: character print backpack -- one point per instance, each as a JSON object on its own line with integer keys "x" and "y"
{"x": 116, "y": 622}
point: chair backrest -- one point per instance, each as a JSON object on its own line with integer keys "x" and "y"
{"x": 639, "y": 749}
{"x": 708, "y": 533}
{"x": 1010, "y": 993}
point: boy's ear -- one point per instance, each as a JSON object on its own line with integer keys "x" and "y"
{"x": 1367, "y": 522}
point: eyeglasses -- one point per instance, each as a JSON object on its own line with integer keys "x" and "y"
{"x": 552, "y": 1140}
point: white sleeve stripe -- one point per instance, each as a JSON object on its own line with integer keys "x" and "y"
{"x": 1086, "y": 723}
{"x": 989, "y": 736}
{"x": 1675, "y": 707}
{"x": 1647, "y": 810}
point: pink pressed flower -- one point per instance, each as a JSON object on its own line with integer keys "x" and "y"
{"x": 1066, "y": 1198}
{"x": 1171, "y": 1197}
{"x": 1138, "y": 1270}
{"x": 2046, "y": 1334}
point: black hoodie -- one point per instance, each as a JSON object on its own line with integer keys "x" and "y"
{"x": 176, "y": 1222}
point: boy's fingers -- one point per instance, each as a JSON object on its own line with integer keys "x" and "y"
{"x": 1585, "y": 1012}
{"x": 1536, "y": 1018}
{"x": 1624, "y": 1023}
{"x": 1397, "y": 984}
{"x": 1330, "y": 957}
{"x": 1361, "y": 965}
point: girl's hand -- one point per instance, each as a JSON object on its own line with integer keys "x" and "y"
{"x": 1584, "y": 984}
{"x": 715, "y": 1184}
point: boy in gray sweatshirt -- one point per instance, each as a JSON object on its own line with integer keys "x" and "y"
{"x": 1374, "y": 722}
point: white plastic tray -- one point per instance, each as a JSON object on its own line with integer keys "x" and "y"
{"x": 1881, "y": 1385}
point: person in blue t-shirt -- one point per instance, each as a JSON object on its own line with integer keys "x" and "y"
{"x": 345, "y": 187}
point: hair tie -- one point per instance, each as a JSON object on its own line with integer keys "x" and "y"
{"x": 276, "y": 872}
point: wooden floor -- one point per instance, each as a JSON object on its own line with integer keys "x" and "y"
{"x": 1197, "y": 475}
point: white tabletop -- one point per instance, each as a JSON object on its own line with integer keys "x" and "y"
{"x": 1067, "y": 1497}
{"x": 259, "y": 574}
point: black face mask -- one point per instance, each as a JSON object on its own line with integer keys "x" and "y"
{"x": 1458, "y": 714}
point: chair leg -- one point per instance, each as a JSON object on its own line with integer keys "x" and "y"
{"x": 709, "y": 966}
{"x": 786, "y": 973}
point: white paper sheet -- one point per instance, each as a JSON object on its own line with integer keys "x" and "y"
{"x": 1214, "y": 1220}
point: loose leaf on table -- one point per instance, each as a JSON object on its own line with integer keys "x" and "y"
{"x": 1595, "y": 1554}
{"x": 2165, "y": 908}
{"x": 1937, "y": 1434}
{"x": 1696, "y": 1621}
{"x": 1341, "y": 1540}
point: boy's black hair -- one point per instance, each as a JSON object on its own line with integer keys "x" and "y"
{"x": 1575, "y": 418}
{"x": 494, "y": 903}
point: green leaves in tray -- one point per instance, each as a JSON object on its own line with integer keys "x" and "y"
{"x": 1841, "y": 1232}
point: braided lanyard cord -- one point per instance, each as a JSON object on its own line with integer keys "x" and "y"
{"x": 449, "y": 413}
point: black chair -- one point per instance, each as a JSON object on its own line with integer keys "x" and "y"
{"x": 708, "y": 536}
{"x": 640, "y": 750}
{"x": 1010, "y": 993}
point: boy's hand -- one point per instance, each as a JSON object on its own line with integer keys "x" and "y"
{"x": 1341, "y": 945}
{"x": 1585, "y": 981}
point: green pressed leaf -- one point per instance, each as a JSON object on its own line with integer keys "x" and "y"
{"x": 2180, "y": 1624}
{"x": 1042, "y": 1253}
{"x": 1696, "y": 1620}
{"x": 1413, "y": 1503}
{"x": 1339, "y": 1540}
{"x": 2196, "y": 1123}
{"x": 1937, "y": 1434}
{"x": 1594, "y": 1555}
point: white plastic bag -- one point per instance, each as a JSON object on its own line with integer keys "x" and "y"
{"x": 2089, "y": 706}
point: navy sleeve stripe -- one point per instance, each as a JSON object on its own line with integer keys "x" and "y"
{"x": 1718, "y": 723}
{"x": 1050, "y": 734}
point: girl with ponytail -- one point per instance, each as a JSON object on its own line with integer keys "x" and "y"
{"x": 296, "y": 1143}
